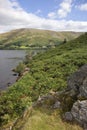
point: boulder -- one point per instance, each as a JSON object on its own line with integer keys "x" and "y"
{"x": 79, "y": 112}
{"x": 57, "y": 105}
{"x": 68, "y": 116}
{"x": 77, "y": 90}
{"x": 45, "y": 101}
{"x": 78, "y": 82}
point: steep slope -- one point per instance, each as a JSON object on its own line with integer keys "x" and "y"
{"x": 48, "y": 72}
{"x": 52, "y": 68}
{"x": 25, "y": 38}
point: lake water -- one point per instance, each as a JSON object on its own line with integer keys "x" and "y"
{"x": 9, "y": 59}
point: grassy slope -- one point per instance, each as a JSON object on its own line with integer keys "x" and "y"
{"x": 22, "y": 38}
{"x": 49, "y": 71}
{"x": 43, "y": 119}
{"x": 52, "y": 69}
{"x": 52, "y": 121}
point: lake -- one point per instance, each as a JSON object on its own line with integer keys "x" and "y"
{"x": 9, "y": 59}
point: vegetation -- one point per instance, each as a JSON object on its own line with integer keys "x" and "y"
{"x": 33, "y": 38}
{"x": 48, "y": 71}
{"x": 20, "y": 68}
{"x": 45, "y": 119}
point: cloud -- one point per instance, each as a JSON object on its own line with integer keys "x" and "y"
{"x": 52, "y": 15}
{"x": 12, "y": 16}
{"x": 62, "y": 12}
{"x": 65, "y": 8}
{"x": 83, "y": 7}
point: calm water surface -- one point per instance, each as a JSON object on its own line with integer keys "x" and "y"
{"x": 9, "y": 59}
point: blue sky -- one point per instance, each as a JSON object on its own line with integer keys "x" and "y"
{"x": 44, "y": 7}
{"x": 57, "y": 15}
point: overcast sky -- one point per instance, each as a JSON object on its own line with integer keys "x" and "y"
{"x": 57, "y": 15}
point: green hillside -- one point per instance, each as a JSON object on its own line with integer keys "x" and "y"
{"x": 27, "y": 38}
{"x": 49, "y": 71}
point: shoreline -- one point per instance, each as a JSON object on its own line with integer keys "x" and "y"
{"x": 9, "y": 59}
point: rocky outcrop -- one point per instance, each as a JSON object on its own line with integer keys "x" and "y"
{"x": 79, "y": 112}
{"x": 78, "y": 82}
{"x": 73, "y": 100}
{"x": 47, "y": 101}
{"x": 77, "y": 88}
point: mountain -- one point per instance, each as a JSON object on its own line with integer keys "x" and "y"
{"x": 48, "y": 73}
{"x": 26, "y": 38}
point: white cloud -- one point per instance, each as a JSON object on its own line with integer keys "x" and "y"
{"x": 52, "y": 15}
{"x": 12, "y": 16}
{"x": 62, "y": 12}
{"x": 65, "y": 8}
{"x": 83, "y": 7}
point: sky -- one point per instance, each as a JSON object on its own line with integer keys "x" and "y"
{"x": 56, "y": 15}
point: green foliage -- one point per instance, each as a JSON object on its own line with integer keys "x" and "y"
{"x": 20, "y": 68}
{"x": 16, "y": 99}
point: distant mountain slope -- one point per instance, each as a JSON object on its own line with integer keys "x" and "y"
{"x": 24, "y": 38}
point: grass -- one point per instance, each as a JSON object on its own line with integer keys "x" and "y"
{"x": 23, "y": 47}
{"x": 47, "y": 120}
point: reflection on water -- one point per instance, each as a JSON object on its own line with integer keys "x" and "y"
{"x": 9, "y": 59}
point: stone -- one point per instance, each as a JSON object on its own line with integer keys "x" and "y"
{"x": 79, "y": 112}
{"x": 15, "y": 74}
{"x": 68, "y": 116}
{"x": 45, "y": 101}
{"x": 76, "y": 80}
{"x": 57, "y": 105}
{"x": 77, "y": 90}
{"x": 83, "y": 89}
{"x": 26, "y": 69}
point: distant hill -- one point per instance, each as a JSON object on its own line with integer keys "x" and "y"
{"x": 26, "y": 38}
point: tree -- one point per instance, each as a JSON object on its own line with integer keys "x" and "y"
{"x": 64, "y": 40}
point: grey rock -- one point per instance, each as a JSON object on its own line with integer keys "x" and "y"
{"x": 77, "y": 90}
{"x": 68, "y": 116}
{"x": 78, "y": 81}
{"x": 57, "y": 105}
{"x": 79, "y": 112}
{"x": 83, "y": 89}
{"x": 45, "y": 101}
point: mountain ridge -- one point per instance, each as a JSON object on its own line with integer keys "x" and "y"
{"x": 25, "y": 38}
